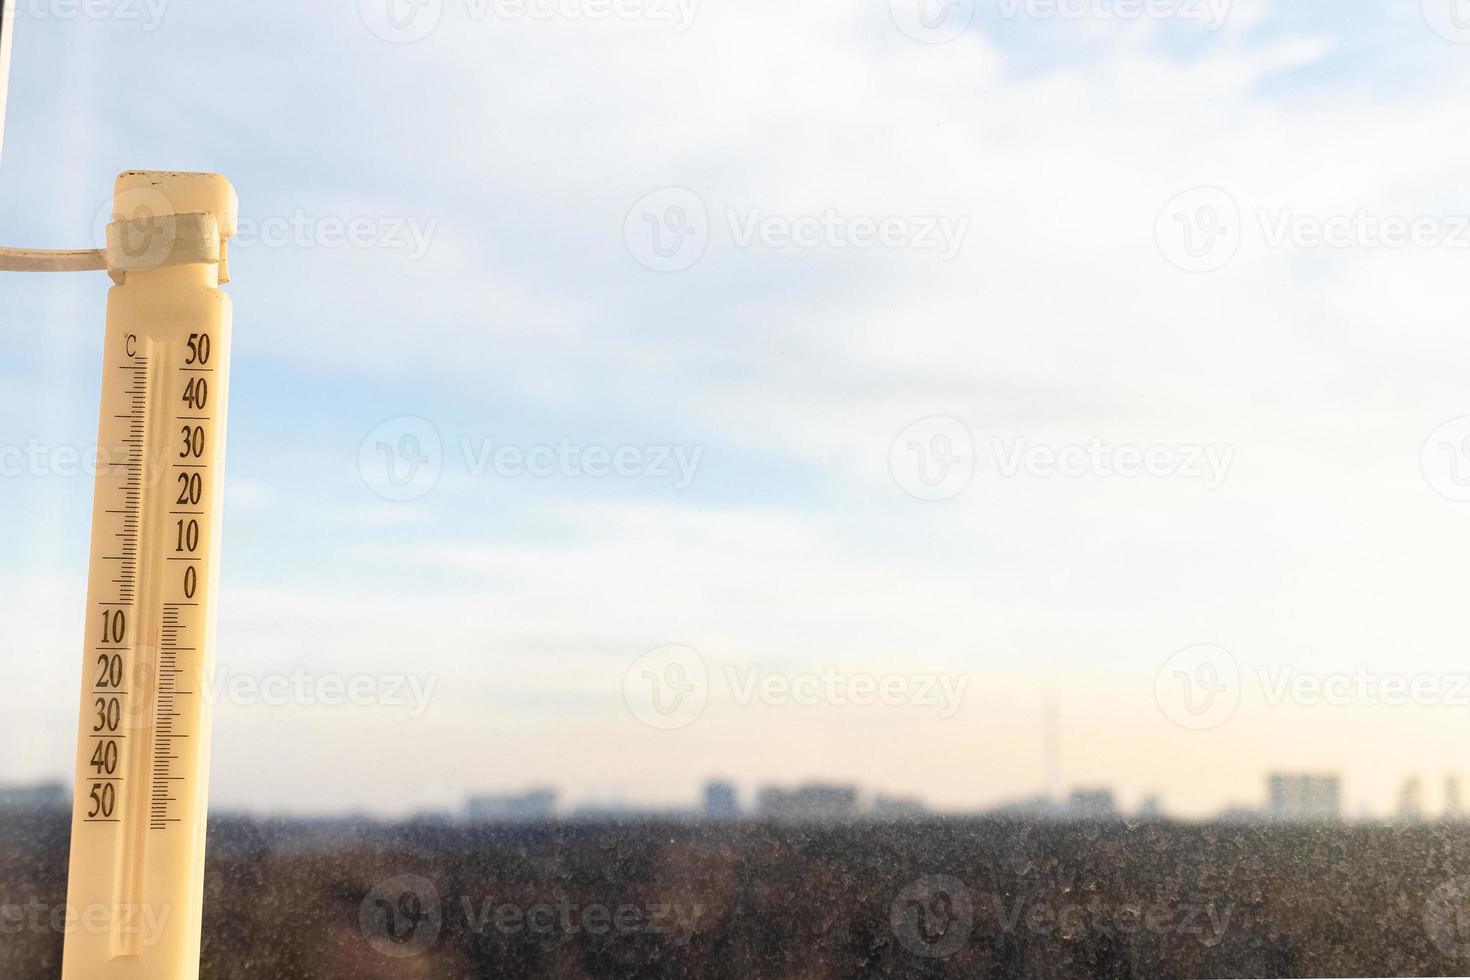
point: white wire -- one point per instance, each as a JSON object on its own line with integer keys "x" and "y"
{"x": 52, "y": 260}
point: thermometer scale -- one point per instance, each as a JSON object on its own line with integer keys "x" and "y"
{"x": 138, "y": 823}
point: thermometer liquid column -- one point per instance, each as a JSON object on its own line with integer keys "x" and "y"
{"x": 138, "y": 827}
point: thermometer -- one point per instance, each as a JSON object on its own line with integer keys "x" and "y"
{"x": 138, "y": 825}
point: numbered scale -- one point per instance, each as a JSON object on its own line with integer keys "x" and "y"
{"x": 138, "y": 829}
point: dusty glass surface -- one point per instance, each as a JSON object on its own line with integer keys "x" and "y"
{"x": 900, "y": 488}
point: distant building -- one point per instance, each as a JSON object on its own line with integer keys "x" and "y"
{"x": 1030, "y": 808}
{"x": 896, "y": 808}
{"x": 531, "y": 807}
{"x": 1453, "y": 810}
{"x": 815, "y": 801}
{"x": 432, "y": 818}
{"x": 721, "y": 802}
{"x": 1411, "y": 801}
{"x": 1151, "y": 809}
{"x": 45, "y": 796}
{"x": 1092, "y": 804}
{"x": 1305, "y": 798}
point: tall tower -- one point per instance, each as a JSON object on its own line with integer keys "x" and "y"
{"x": 1452, "y": 808}
{"x": 1050, "y": 749}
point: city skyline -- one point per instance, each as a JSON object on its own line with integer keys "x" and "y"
{"x": 1286, "y": 796}
{"x": 970, "y": 399}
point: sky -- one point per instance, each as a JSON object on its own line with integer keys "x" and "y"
{"x": 630, "y": 393}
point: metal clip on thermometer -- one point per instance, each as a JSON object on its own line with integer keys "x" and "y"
{"x": 138, "y": 826}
